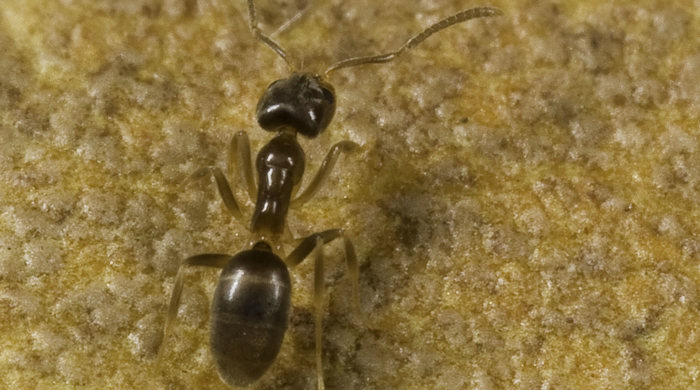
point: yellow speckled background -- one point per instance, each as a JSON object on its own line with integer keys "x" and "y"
{"x": 525, "y": 204}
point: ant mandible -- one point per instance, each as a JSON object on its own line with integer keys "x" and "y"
{"x": 251, "y": 302}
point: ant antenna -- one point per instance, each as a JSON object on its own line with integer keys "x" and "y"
{"x": 253, "y": 24}
{"x": 463, "y": 16}
{"x": 290, "y": 22}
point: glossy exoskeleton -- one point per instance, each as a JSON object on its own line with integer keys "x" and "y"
{"x": 251, "y": 302}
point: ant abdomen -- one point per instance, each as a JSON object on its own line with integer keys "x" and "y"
{"x": 249, "y": 315}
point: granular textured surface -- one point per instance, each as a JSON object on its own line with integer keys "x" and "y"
{"x": 525, "y": 203}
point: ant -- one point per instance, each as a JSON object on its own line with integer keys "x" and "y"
{"x": 251, "y": 302}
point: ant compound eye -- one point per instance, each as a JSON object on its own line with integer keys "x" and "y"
{"x": 302, "y": 101}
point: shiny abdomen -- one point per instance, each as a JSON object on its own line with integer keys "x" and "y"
{"x": 249, "y": 315}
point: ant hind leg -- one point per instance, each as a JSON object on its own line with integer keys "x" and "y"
{"x": 319, "y": 290}
{"x": 314, "y": 243}
{"x": 308, "y": 244}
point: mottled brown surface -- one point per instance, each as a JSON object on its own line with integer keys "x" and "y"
{"x": 524, "y": 204}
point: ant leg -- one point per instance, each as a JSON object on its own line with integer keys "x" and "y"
{"x": 325, "y": 169}
{"x": 354, "y": 275}
{"x": 318, "y": 304}
{"x": 223, "y": 186}
{"x": 206, "y": 260}
{"x": 308, "y": 244}
{"x": 239, "y": 151}
{"x": 314, "y": 243}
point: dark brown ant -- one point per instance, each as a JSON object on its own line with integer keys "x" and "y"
{"x": 251, "y": 303}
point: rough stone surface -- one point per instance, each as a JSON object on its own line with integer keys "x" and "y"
{"x": 525, "y": 204}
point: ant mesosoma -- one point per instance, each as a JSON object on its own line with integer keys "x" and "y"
{"x": 252, "y": 298}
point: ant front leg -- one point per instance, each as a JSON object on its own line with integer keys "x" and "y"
{"x": 223, "y": 187}
{"x": 205, "y": 260}
{"x": 239, "y": 156}
{"x": 314, "y": 243}
{"x": 325, "y": 169}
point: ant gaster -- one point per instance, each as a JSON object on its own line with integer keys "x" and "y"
{"x": 251, "y": 302}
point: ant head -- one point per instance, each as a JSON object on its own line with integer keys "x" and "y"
{"x": 301, "y": 101}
